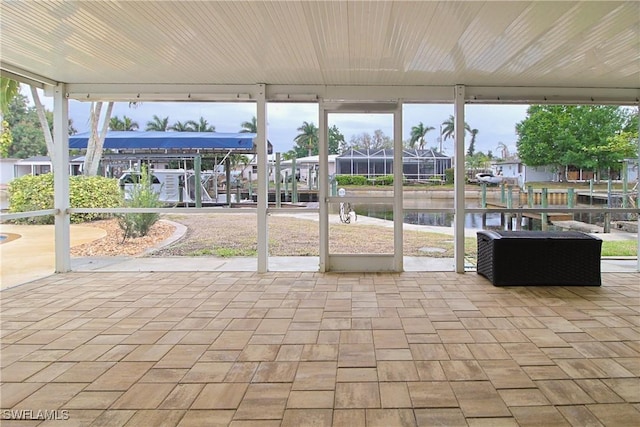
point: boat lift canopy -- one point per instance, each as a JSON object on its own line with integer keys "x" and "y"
{"x": 171, "y": 142}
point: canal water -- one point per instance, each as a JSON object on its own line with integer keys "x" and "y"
{"x": 413, "y": 215}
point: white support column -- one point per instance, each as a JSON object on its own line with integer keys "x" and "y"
{"x": 638, "y": 195}
{"x": 263, "y": 180}
{"x": 398, "y": 214}
{"x": 458, "y": 227}
{"x": 61, "y": 179}
{"x": 323, "y": 193}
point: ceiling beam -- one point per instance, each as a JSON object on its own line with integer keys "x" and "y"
{"x": 353, "y": 93}
{"x": 24, "y": 76}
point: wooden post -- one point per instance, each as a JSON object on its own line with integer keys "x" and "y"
{"x": 570, "y": 197}
{"x": 227, "y": 189}
{"x": 625, "y": 183}
{"x": 543, "y": 216}
{"x": 286, "y": 185}
{"x": 530, "y": 196}
{"x": 278, "y": 177}
{"x": 197, "y": 165}
{"x": 509, "y": 206}
{"x": 294, "y": 182}
{"x": 502, "y": 195}
{"x": 250, "y": 186}
{"x": 607, "y": 223}
{"x": 483, "y": 187}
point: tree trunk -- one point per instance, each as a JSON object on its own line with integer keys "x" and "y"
{"x": 48, "y": 138}
{"x": 96, "y": 140}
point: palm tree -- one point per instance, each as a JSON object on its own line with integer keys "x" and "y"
{"x": 9, "y": 89}
{"x": 201, "y": 125}
{"x": 181, "y": 127}
{"x": 158, "y": 124}
{"x": 472, "y": 144}
{"x": 449, "y": 128}
{"x": 250, "y": 127}
{"x": 125, "y": 124}
{"x": 504, "y": 150}
{"x": 417, "y": 135}
{"x": 308, "y": 137}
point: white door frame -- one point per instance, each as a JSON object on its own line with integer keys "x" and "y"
{"x": 361, "y": 262}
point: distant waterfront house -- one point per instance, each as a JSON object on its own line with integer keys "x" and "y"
{"x": 518, "y": 173}
{"x": 418, "y": 165}
{"x": 38, "y": 165}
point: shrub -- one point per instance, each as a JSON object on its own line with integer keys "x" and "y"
{"x": 351, "y": 180}
{"x": 141, "y": 195}
{"x": 448, "y": 174}
{"x": 384, "y": 180}
{"x": 35, "y": 192}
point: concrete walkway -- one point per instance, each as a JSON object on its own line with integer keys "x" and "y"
{"x": 32, "y": 254}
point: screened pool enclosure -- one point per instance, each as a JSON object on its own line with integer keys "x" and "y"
{"x": 417, "y": 165}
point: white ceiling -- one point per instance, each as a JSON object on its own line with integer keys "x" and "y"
{"x": 389, "y": 43}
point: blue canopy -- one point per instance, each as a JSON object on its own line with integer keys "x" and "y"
{"x": 134, "y": 140}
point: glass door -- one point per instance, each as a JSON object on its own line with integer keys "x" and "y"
{"x": 361, "y": 203}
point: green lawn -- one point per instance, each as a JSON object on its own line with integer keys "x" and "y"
{"x": 619, "y": 248}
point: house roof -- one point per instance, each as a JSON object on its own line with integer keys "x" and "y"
{"x": 174, "y": 50}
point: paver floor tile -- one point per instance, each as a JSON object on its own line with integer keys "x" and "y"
{"x": 626, "y": 388}
{"x": 357, "y": 395}
{"x": 616, "y": 414}
{"x": 307, "y": 417}
{"x": 113, "y": 418}
{"x": 207, "y": 372}
{"x": 356, "y": 355}
{"x": 506, "y": 374}
{"x": 220, "y": 396}
{"x": 451, "y": 417}
{"x": 463, "y": 370}
{"x": 538, "y": 416}
{"x": 579, "y": 416}
{"x": 50, "y": 396}
{"x": 275, "y": 372}
{"x": 397, "y": 371}
{"x": 523, "y": 397}
{"x": 181, "y": 356}
{"x": 182, "y": 396}
{"x": 263, "y": 402}
{"x": 601, "y": 393}
{"x": 159, "y": 418}
{"x": 479, "y": 399}
{"x": 206, "y": 418}
{"x": 349, "y": 417}
{"x": 390, "y": 417}
{"x": 12, "y": 393}
{"x": 315, "y": 376}
{"x": 120, "y": 376}
{"x": 93, "y": 400}
{"x": 395, "y": 395}
{"x": 301, "y": 399}
{"x": 143, "y": 396}
{"x": 432, "y": 394}
{"x": 563, "y": 392}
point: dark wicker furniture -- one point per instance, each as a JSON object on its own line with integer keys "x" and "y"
{"x": 539, "y": 258}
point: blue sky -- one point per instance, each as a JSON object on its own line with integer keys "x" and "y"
{"x": 495, "y": 123}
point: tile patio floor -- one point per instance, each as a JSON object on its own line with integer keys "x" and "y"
{"x": 312, "y": 349}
